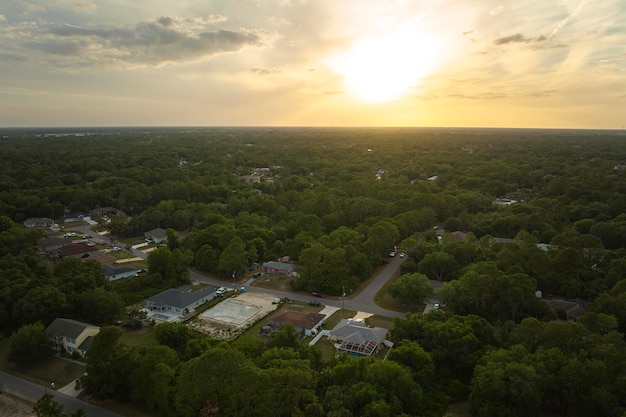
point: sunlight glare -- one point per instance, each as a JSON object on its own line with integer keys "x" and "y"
{"x": 383, "y": 69}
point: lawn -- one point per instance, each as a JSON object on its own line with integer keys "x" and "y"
{"x": 274, "y": 282}
{"x": 142, "y": 337}
{"x": 54, "y": 369}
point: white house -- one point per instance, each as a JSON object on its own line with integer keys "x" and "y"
{"x": 173, "y": 303}
{"x": 113, "y": 273}
{"x": 157, "y": 235}
{"x": 354, "y": 337}
{"x": 76, "y": 217}
{"x": 71, "y": 335}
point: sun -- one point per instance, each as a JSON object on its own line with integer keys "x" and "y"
{"x": 385, "y": 68}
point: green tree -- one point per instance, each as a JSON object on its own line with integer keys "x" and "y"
{"x": 41, "y": 303}
{"x": 438, "y": 265}
{"x": 505, "y": 388}
{"x": 232, "y": 260}
{"x": 29, "y": 345}
{"x": 411, "y": 289}
{"x": 108, "y": 367}
{"x": 98, "y": 305}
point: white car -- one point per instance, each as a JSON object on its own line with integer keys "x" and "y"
{"x": 436, "y": 306}
{"x": 392, "y": 254}
{"x": 403, "y": 255}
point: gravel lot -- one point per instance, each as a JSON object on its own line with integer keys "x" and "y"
{"x": 13, "y": 407}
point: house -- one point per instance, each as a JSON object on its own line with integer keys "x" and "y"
{"x": 75, "y": 249}
{"x": 355, "y": 338}
{"x": 280, "y": 268}
{"x": 156, "y": 235}
{"x": 104, "y": 212}
{"x": 76, "y": 217}
{"x": 307, "y": 324}
{"x": 38, "y": 222}
{"x": 113, "y": 273}
{"x": 173, "y": 303}
{"x": 52, "y": 244}
{"x": 71, "y": 335}
{"x": 573, "y": 310}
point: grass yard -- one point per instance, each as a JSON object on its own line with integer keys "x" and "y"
{"x": 379, "y": 321}
{"x": 142, "y": 337}
{"x": 274, "y": 282}
{"x": 54, "y": 369}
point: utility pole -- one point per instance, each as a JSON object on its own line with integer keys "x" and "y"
{"x": 343, "y": 302}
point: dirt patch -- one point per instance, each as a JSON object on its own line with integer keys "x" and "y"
{"x": 13, "y": 407}
{"x": 233, "y": 316}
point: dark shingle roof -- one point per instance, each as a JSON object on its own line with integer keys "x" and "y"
{"x": 86, "y": 344}
{"x": 110, "y": 270}
{"x": 157, "y": 233}
{"x": 67, "y": 327}
{"x": 180, "y": 297}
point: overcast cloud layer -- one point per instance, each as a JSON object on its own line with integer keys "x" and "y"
{"x": 535, "y": 63}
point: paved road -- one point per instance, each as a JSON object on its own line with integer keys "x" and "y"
{"x": 364, "y": 301}
{"x": 31, "y": 392}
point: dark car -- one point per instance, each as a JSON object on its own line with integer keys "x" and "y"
{"x": 318, "y": 294}
{"x": 256, "y": 275}
{"x": 315, "y": 303}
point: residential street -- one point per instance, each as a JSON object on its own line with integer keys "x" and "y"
{"x": 363, "y": 302}
{"x": 31, "y": 392}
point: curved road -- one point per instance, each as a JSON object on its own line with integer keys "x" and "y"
{"x": 364, "y": 301}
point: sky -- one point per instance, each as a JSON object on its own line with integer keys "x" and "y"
{"x": 449, "y": 63}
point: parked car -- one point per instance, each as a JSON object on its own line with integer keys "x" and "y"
{"x": 318, "y": 294}
{"x": 403, "y": 255}
{"x": 315, "y": 303}
{"x": 436, "y": 306}
{"x": 392, "y": 254}
{"x": 256, "y": 275}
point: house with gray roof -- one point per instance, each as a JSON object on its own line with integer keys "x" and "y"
{"x": 157, "y": 235}
{"x": 76, "y": 217}
{"x": 113, "y": 272}
{"x": 71, "y": 335}
{"x": 173, "y": 303}
{"x": 38, "y": 222}
{"x": 52, "y": 244}
{"x": 354, "y": 337}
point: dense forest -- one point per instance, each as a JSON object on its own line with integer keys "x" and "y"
{"x": 499, "y": 215}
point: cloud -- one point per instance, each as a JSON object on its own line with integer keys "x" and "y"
{"x": 29, "y": 7}
{"x": 151, "y": 43}
{"x": 496, "y": 10}
{"x": 543, "y": 93}
{"x": 481, "y": 96}
{"x": 265, "y": 71}
{"x": 517, "y": 38}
